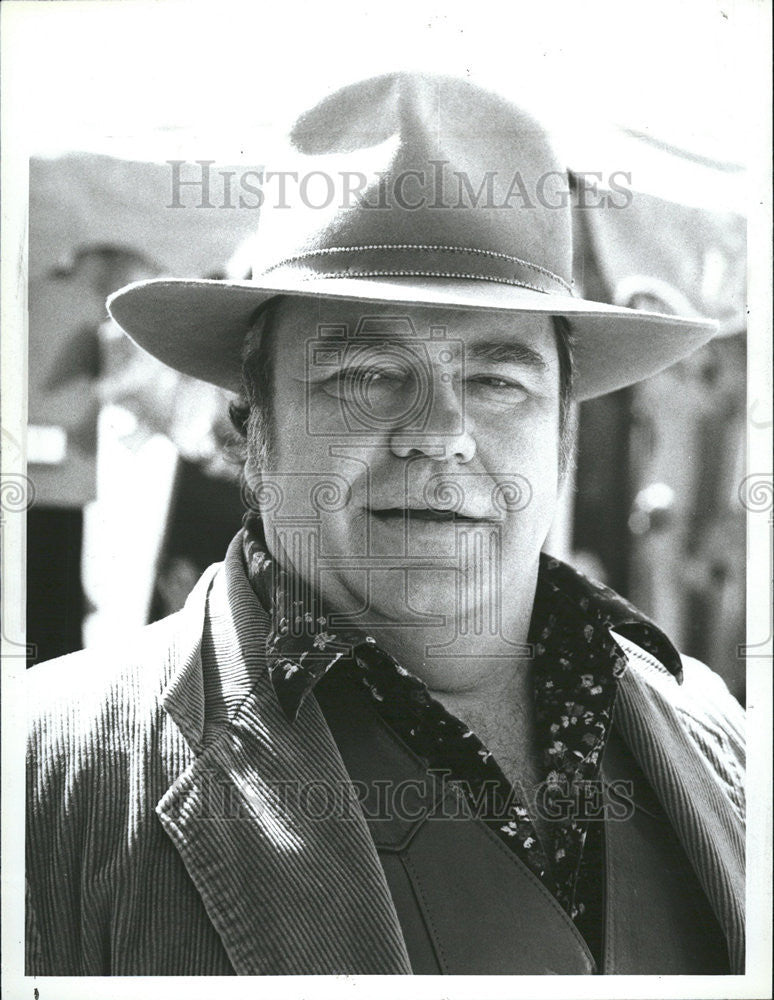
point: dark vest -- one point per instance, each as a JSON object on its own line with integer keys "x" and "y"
{"x": 467, "y": 904}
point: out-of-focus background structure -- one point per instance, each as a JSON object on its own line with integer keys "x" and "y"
{"x": 134, "y": 496}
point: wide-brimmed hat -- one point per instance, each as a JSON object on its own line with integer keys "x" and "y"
{"x": 412, "y": 190}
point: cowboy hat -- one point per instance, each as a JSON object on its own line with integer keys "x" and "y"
{"x": 413, "y": 190}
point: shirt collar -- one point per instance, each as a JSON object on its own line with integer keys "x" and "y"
{"x": 302, "y": 648}
{"x": 598, "y": 605}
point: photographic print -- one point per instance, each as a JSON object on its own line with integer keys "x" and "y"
{"x": 387, "y": 507}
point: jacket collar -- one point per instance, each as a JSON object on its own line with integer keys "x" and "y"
{"x": 183, "y": 696}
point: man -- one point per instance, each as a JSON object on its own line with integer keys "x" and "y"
{"x": 388, "y": 735}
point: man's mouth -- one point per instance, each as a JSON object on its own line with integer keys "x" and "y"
{"x": 400, "y": 514}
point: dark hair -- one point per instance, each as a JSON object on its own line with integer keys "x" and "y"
{"x": 251, "y": 412}
{"x": 565, "y": 342}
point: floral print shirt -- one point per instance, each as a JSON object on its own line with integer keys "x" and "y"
{"x": 576, "y": 666}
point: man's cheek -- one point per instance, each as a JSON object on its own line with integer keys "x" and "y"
{"x": 342, "y": 535}
{"x": 527, "y": 452}
{"x": 299, "y": 437}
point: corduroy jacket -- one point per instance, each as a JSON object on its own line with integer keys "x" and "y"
{"x": 158, "y": 842}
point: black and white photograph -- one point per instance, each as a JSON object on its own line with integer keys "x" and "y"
{"x": 387, "y": 511}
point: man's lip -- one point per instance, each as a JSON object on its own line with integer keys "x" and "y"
{"x": 423, "y": 514}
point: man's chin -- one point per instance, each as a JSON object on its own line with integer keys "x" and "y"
{"x": 427, "y": 595}
{"x": 441, "y": 541}
{"x": 391, "y": 600}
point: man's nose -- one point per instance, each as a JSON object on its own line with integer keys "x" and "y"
{"x": 443, "y": 434}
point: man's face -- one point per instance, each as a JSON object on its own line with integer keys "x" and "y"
{"x": 415, "y": 454}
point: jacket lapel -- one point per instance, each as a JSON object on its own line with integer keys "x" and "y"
{"x": 693, "y": 763}
{"x": 263, "y": 817}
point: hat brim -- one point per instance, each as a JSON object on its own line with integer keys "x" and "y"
{"x": 198, "y": 326}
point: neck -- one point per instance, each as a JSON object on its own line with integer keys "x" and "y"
{"x": 476, "y": 656}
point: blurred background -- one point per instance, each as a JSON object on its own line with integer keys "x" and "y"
{"x": 135, "y": 495}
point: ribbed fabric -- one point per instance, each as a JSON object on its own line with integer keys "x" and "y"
{"x": 108, "y": 892}
{"x": 696, "y": 768}
{"x": 158, "y": 844}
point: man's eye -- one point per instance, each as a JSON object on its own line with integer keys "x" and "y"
{"x": 372, "y": 376}
{"x": 497, "y": 383}
{"x": 363, "y": 380}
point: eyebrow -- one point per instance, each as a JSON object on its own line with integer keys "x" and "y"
{"x": 507, "y": 352}
{"x": 495, "y": 351}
